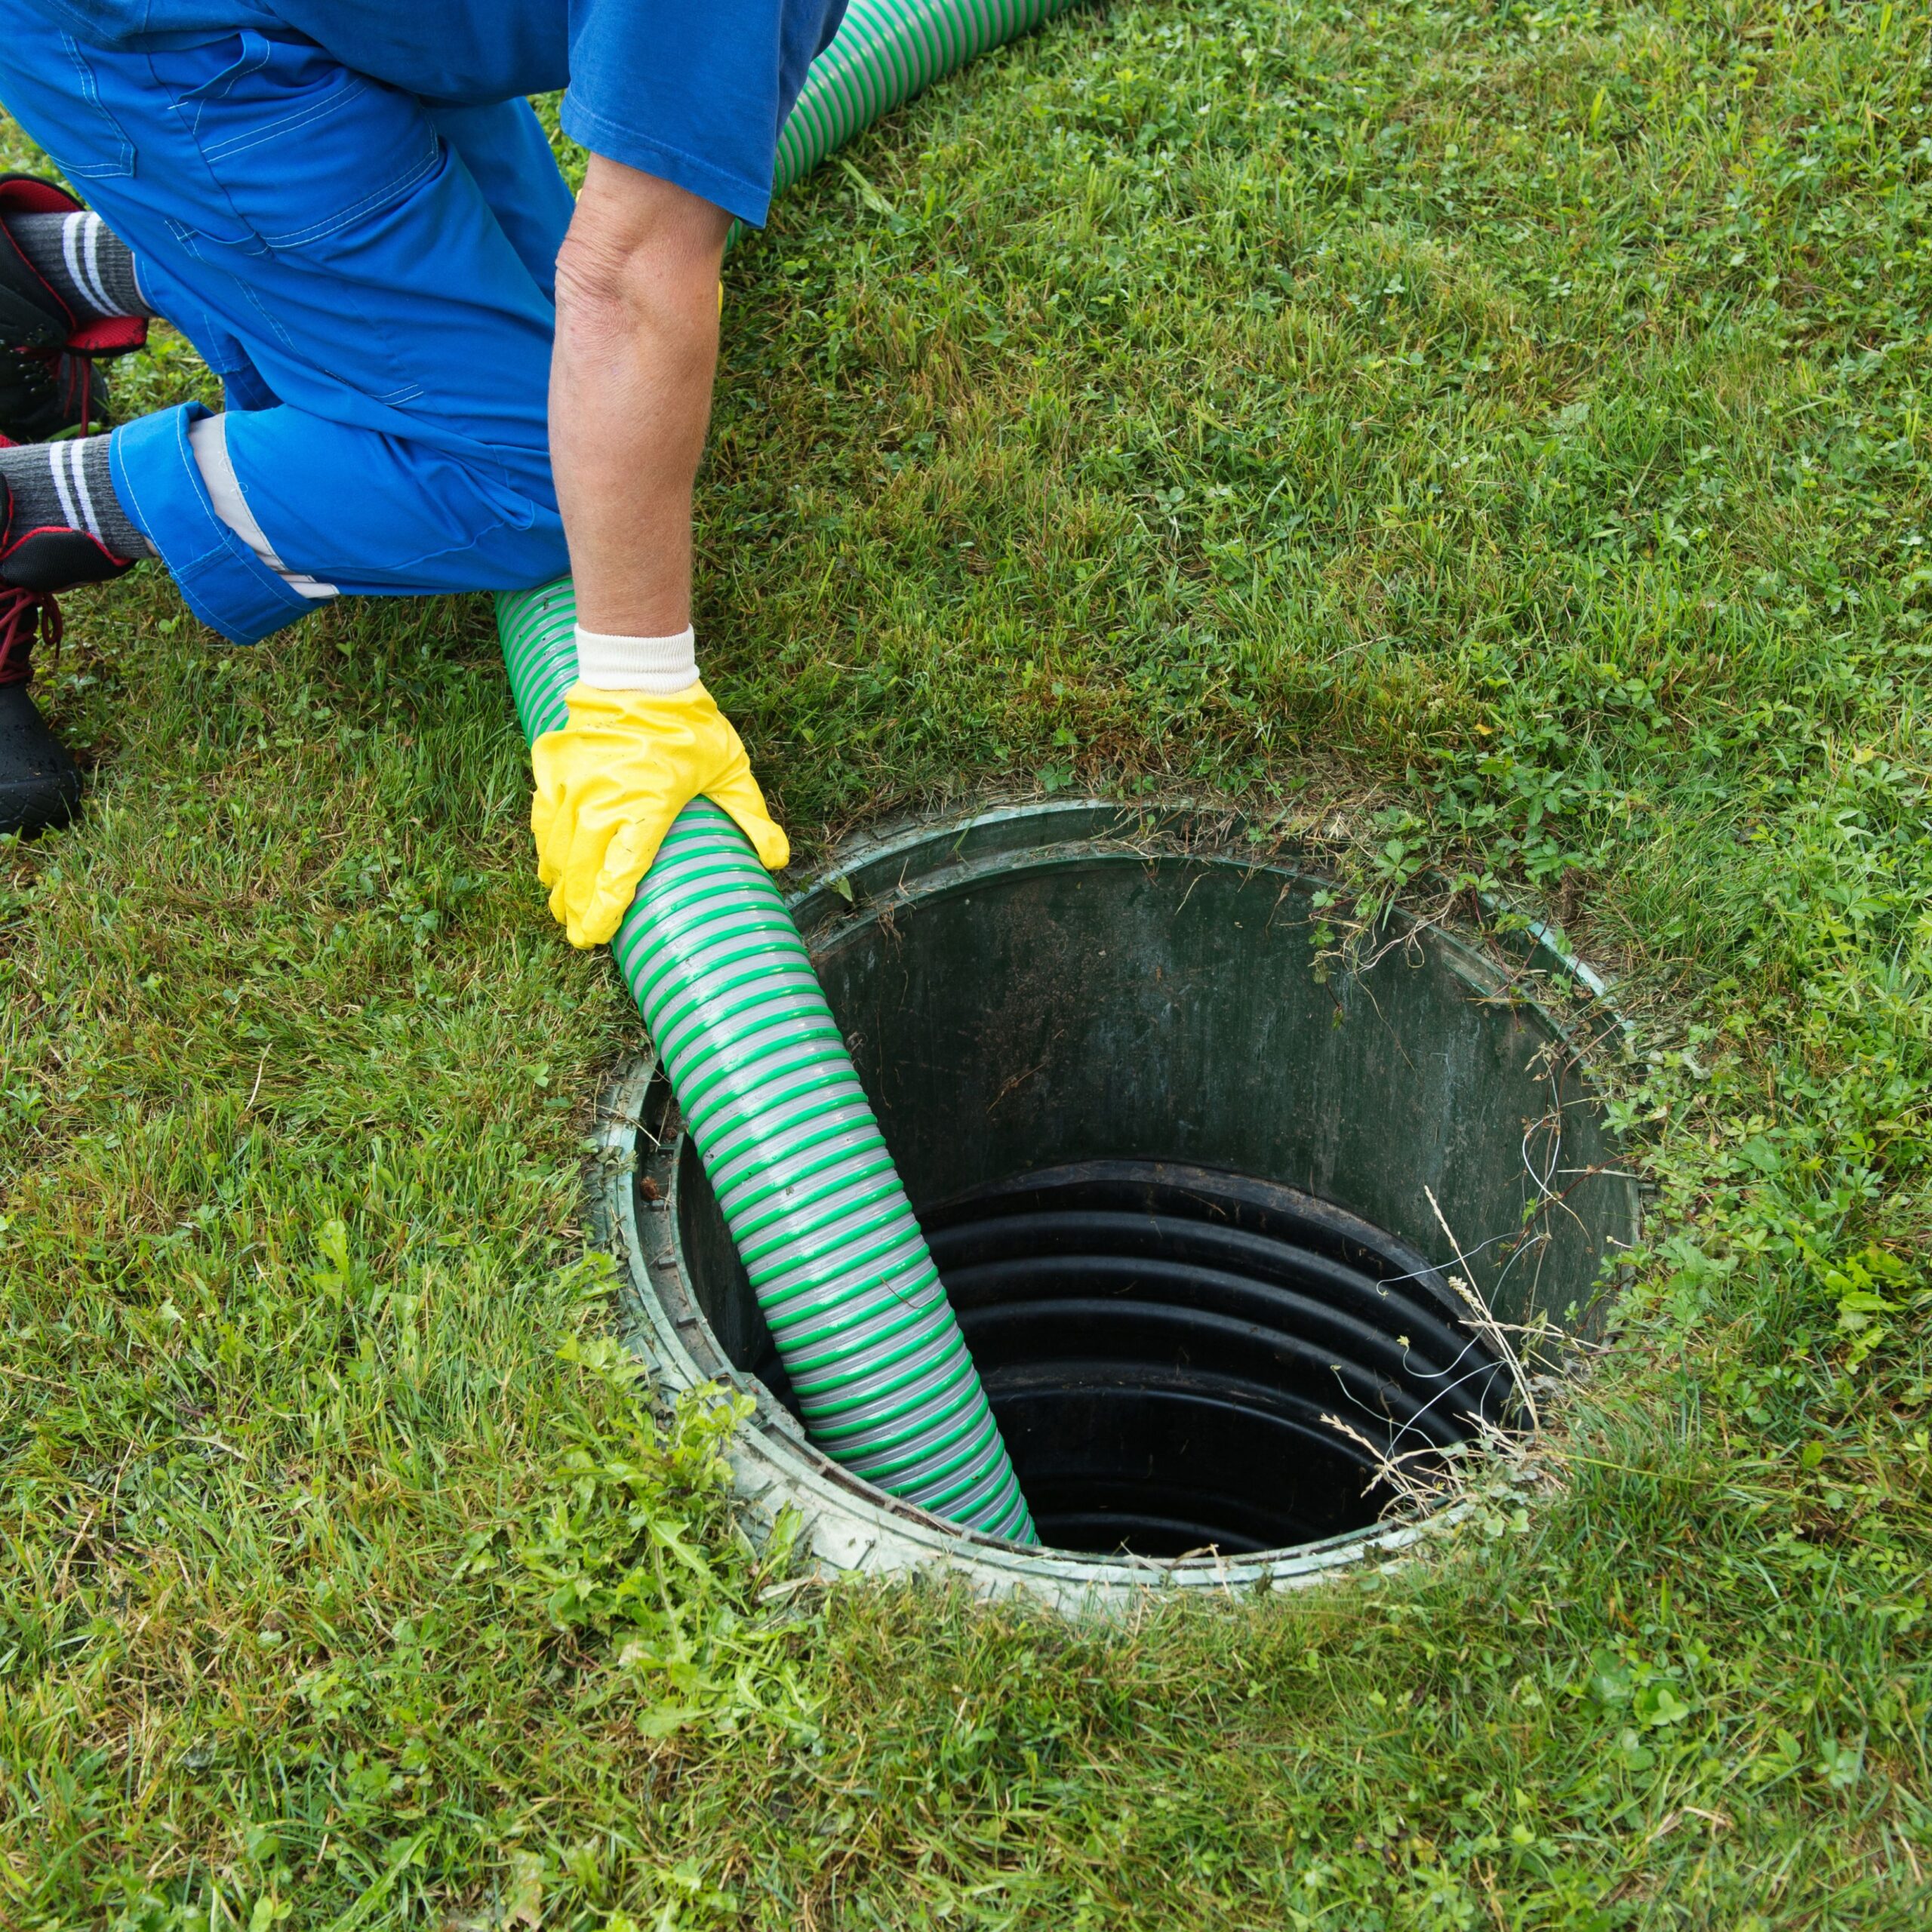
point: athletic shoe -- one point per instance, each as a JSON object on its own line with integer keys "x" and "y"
{"x": 43, "y": 395}
{"x": 33, "y": 313}
{"x": 39, "y": 787}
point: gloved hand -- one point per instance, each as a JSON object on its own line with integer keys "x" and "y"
{"x": 609, "y": 784}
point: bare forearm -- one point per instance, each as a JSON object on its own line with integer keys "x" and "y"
{"x": 630, "y": 393}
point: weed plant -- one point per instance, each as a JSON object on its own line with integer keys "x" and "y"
{"x": 1488, "y": 438}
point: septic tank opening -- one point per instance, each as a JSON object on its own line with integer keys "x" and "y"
{"x": 1177, "y": 1179}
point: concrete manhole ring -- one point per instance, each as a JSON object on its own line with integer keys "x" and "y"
{"x": 1178, "y": 1182}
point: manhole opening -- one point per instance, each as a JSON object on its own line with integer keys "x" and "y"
{"x": 1187, "y": 1191}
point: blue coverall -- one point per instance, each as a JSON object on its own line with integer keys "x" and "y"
{"x": 370, "y": 271}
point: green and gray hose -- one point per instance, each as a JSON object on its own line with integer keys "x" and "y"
{"x": 886, "y": 51}
{"x": 788, "y": 1139}
{"x": 742, "y": 1029}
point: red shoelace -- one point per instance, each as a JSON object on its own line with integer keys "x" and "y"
{"x": 24, "y": 615}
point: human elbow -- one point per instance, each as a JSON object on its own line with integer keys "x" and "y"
{"x": 598, "y": 276}
{"x": 648, "y": 257}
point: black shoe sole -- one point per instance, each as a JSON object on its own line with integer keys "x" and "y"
{"x": 40, "y": 789}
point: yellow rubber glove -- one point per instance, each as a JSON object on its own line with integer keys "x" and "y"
{"x": 609, "y": 784}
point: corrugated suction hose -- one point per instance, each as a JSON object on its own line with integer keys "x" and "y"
{"x": 886, "y": 51}
{"x": 789, "y": 1141}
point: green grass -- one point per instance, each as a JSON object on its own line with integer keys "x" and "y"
{"x": 1490, "y": 442}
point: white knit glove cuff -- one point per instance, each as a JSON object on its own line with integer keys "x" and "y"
{"x": 658, "y": 665}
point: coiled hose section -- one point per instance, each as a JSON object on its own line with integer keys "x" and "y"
{"x": 788, "y": 1139}
{"x": 767, "y": 1088}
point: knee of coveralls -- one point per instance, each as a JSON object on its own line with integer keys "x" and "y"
{"x": 396, "y": 322}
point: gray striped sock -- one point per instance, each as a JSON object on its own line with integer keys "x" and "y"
{"x": 89, "y": 265}
{"x": 70, "y": 485}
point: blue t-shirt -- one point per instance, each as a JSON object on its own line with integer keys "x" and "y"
{"x": 694, "y": 91}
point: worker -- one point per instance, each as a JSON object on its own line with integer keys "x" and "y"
{"x": 439, "y": 374}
